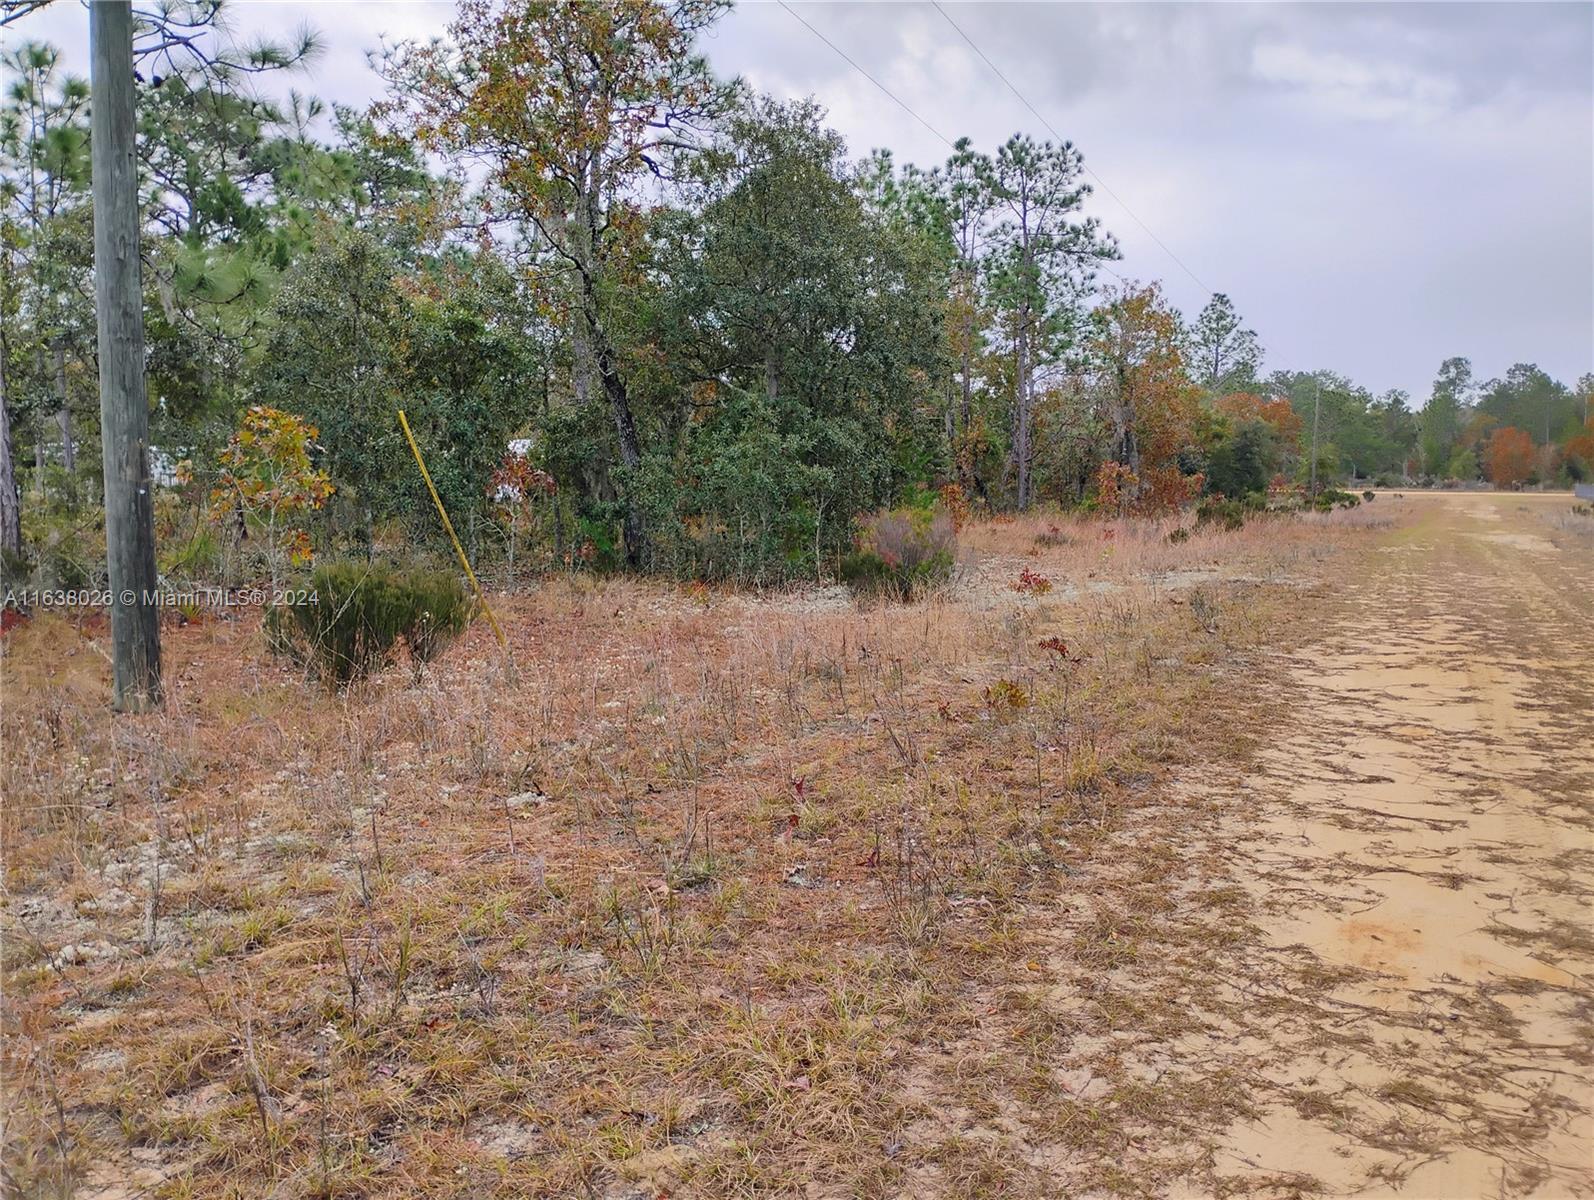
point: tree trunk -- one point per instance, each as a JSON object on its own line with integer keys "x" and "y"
{"x": 1123, "y": 417}
{"x": 602, "y": 357}
{"x": 965, "y": 469}
{"x": 63, "y": 414}
{"x": 124, "y": 406}
{"x": 582, "y": 369}
{"x": 40, "y": 432}
{"x": 1021, "y": 433}
{"x": 630, "y": 455}
{"x": 625, "y": 428}
{"x": 10, "y": 502}
{"x": 966, "y": 413}
{"x": 968, "y": 355}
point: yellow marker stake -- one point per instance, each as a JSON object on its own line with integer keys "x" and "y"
{"x": 453, "y": 537}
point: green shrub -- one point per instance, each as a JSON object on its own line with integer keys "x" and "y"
{"x": 901, "y": 553}
{"x": 197, "y": 557}
{"x": 355, "y": 613}
{"x": 1331, "y": 498}
{"x": 440, "y": 610}
{"x": 758, "y": 494}
{"x": 62, "y": 549}
{"x": 15, "y": 568}
{"x": 61, "y": 565}
{"x": 1242, "y": 458}
{"x": 1230, "y": 514}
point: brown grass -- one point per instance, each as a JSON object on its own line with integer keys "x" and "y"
{"x": 685, "y": 897}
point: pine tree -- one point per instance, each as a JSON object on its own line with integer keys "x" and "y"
{"x": 1223, "y": 355}
{"x": 1441, "y": 416}
{"x": 1042, "y": 271}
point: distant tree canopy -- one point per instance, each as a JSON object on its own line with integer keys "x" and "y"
{"x": 717, "y": 337}
{"x": 1528, "y": 399}
{"x": 353, "y": 339}
{"x": 1545, "y": 421}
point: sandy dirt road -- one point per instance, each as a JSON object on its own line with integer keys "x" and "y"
{"x": 1424, "y": 861}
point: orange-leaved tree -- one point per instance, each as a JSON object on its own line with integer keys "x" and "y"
{"x": 1508, "y": 459}
{"x": 1276, "y": 412}
{"x": 266, "y": 478}
{"x": 1150, "y": 406}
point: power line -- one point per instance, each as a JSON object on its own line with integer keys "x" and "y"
{"x": 907, "y": 108}
{"x": 1090, "y": 170}
{"x": 902, "y": 104}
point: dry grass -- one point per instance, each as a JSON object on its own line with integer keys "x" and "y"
{"x": 688, "y": 898}
{"x": 1083, "y": 548}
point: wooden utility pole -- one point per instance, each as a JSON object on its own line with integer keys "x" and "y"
{"x": 124, "y": 405}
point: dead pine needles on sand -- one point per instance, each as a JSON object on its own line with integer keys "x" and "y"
{"x": 715, "y": 891}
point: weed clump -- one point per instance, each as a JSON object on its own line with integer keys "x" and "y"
{"x": 1031, "y": 583}
{"x": 348, "y": 620}
{"x": 901, "y": 553}
{"x": 1228, "y": 514}
{"x": 1053, "y": 537}
{"x": 1005, "y": 696}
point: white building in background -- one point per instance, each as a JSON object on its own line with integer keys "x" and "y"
{"x": 163, "y": 465}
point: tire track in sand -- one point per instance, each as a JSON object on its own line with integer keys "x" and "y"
{"x": 1425, "y": 867}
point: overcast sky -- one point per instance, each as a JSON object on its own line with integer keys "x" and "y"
{"x": 1377, "y": 186}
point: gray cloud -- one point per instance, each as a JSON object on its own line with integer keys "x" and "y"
{"x": 1378, "y": 186}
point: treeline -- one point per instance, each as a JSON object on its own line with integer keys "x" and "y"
{"x": 712, "y": 339}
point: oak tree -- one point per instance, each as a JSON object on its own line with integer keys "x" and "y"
{"x": 572, "y": 109}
